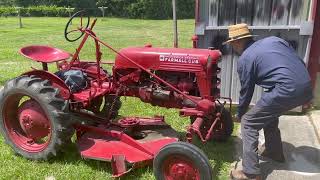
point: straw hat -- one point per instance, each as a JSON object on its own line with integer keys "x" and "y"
{"x": 238, "y": 31}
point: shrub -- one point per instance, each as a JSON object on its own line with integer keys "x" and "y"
{"x": 35, "y": 11}
{"x": 7, "y": 11}
{"x": 155, "y": 9}
{"x": 158, "y": 9}
{"x": 39, "y": 11}
{"x": 148, "y": 9}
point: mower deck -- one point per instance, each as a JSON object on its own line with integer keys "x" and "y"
{"x": 136, "y": 145}
{"x": 93, "y": 146}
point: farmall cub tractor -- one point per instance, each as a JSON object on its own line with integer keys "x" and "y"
{"x": 40, "y": 110}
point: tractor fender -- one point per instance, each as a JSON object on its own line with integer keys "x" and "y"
{"x": 55, "y": 81}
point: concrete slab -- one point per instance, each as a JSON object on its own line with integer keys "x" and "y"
{"x": 316, "y": 100}
{"x": 315, "y": 118}
{"x": 301, "y": 149}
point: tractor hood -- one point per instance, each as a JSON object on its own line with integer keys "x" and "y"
{"x": 170, "y": 59}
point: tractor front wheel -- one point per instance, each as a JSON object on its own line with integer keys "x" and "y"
{"x": 34, "y": 119}
{"x": 222, "y": 130}
{"x": 181, "y": 161}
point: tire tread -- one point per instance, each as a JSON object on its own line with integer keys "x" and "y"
{"x": 52, "y": 103}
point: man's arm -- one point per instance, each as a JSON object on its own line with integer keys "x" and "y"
{"x": 247, "y": 80}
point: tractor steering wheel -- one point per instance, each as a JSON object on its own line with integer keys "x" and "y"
{"x": 80, "y": 27}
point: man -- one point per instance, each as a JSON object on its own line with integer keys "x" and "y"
{"x": 272, "y": 64}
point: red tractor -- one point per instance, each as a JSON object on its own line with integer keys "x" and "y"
{"x": 40, "y": 110}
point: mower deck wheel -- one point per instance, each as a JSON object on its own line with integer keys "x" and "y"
{"x": 181, "y": 161}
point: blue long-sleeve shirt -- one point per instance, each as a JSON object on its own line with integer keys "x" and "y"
{"x": 274, "y": 65}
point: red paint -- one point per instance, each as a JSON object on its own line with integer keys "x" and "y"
{"x": 195, "y": 40}
{"x": 90, "y": 93}
{"x": 167, "y": 77}
{"x": 140, "y": 123}
{"x": 214, "y": 55}
{"x": 26, "y": 124}
{"x": 54, "y": 80}
{"x": 118, "y": 135}
{"x": 93, "y": 146}
{"x": 314, "y": 57}
{"x": 314, "y": 9}
{"x": 151, "y": 58}
{"x": 130, "y": 64}
{"x": 109, "y": 143}
{"x": 44, "y": 54}
{"x": 166, "y": 59}
{"x": 90, "y": 68}
{"x": 129, "y": 122}
{"x": 32, "y": 120}
{"x": 119, "y": 166}
{"x": 180, "y": 168}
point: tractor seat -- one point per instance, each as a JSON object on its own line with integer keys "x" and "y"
{"x": 44, "y": 54}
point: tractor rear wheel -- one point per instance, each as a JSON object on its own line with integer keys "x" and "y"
{"x": 34, "y": 118}
{"x": 181, "y": 161}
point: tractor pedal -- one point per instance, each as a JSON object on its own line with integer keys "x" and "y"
{"x": 119, "y": 167}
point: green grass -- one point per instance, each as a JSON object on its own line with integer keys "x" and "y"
{"x": 119, "y": 33}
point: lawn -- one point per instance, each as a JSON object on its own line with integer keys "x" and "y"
{"x": 119, "y": 33}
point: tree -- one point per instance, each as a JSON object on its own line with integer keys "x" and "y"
{"x": 7, "y": 3}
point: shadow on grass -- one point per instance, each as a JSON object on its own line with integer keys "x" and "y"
{"x": 219, "y": 154}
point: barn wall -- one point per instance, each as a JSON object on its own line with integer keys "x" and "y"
{"x": 317, "y": 90}
{"x": 287, "y": 19}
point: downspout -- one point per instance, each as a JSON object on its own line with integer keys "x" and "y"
{"x": 197, "y": 17}
{"x": 314, "y": 56}
{"x": 195, "y": 38}
{"x": 175, "y": 24}
{"x": 313, "y": 65}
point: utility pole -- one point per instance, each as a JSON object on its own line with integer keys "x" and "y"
{"x": 19, "y": 16}
{"x": 175, "y": 24}
{"x": 70, "y": 10}
{"x": 103, "y": 9}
